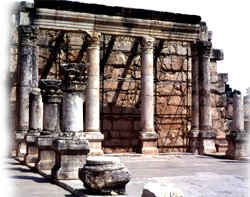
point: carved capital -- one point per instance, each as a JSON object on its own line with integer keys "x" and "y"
{"x": 28, "y": 34}
{"x": 73, "y": 76}
{"x": 93, "y": 39}
{"x": 204, "y": 48}
{"x": 50, "y": 89}
{"x": 147, "y": 44}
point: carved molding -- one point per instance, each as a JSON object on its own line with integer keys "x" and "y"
{"x": 147, "y": 44}
{"x": 93, "y": 39}
{"x": 50, "y": 89}
{"x": 28, "y": 34}
{"x": 73, "y": 76}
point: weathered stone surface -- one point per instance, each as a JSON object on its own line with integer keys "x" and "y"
{"x": 218, "y": 88}
{"x": 161, "y": 190}
{"x": 104, "y": 175}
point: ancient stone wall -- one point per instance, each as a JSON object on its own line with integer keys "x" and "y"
{"x": 120, "y": 86}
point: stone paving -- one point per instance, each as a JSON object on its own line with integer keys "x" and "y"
{"x": 195, "y": 175}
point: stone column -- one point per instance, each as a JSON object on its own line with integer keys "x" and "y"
{"x": 52, "y": 95}
{"x": 148, "y": 137}
{"x": 195, "y": 120}
{"x": 92, "y": 119}
{"x": 35, "y": 125}
{"x": 206, "y": 135}
{"x": 238, "y": 139}
{"x": 27, "y": 40}
{"x": 71, "y": 146}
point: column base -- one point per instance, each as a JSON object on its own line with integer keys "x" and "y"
{"x": 238, "y": 146}
{"x": 46, "y": 155}
{"x": 148, "y": 143}
{"x": 31, "y": 149}
{"x": 95, "y": 142}
{"x": 71, "y": 154}
{"x": 207, "y": 142}
{"x": 193, "y": 145}
{"x": 21, "y": 146}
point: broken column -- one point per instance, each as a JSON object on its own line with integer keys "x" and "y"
{"x": 52, "y": 96}
{"x": 104, "y": 175}
{"x": 92, "y": 119}
{"x": 237, "y": 139}
{"x": 147, "y": 136}
{"x": 71, "y": 146}
{"x": 195, "y": 120}
{"x": 35, "y": 125}
{"x": 206, "y": 134}
{"x": 27, "y": 41}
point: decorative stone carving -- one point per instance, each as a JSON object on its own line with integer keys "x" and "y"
{"x": 71, "y": 146}
{"x": 93, "y": 39}
{"x": 238, "y": 139}
{"x": 104, "y": 175}
{"x": 52, "y": 95}
{"x": 147, "y": 44}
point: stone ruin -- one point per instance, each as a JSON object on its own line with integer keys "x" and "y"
{"x": 90, "y": 79}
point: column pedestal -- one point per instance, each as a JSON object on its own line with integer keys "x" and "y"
{"x": 207, "y": 142}
{"x": 193, "y": 145}
{"x": 71, "y": 153}
{"x": 238, "y": 146}
{"x": 31, "y": 149}
{"x": 71, "y": 147}
{"x": 95, "y": 143}
{"x": 148, "y": 143}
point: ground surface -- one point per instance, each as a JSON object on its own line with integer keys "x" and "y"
{"x": 195, "y": 175}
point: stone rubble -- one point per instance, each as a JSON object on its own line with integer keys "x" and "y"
{"x": 161, "y": 190}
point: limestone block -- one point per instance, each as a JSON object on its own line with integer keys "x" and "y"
{"x": 161, "y": 190}
{"x": 213, "y": 78}
{"x": 218, "y": 88}
{"x": 137, "y": 125}
{"x": 174, "y": 100}
{"x": 122, "y": 45}
{"x": 116, "y": 59}
{"x": 228, "y": 125}
{"x": 218, "y": 100}
{"x": 180, "y": 50}
{"x": 223, "y": 77}
{"x": 174, "y": 64}
{"x": 169, "y": 50}
{"x": 104, "y": 175}
{"x": 217, "y": 54}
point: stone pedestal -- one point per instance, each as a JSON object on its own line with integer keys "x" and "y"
{"x": 27, "y": 40}
{"x": 206, "y": 136}
{"x": 52, "y": 95}
{"x": 238, "y": 139}
{"x": 104, "y": 175}
{"x": 147, "y": 136}
{"x": 71, "y": 146}
{"x": 193, "y": 135}
{"x": 92, "y": 119}
{"x": 35, "y": 125}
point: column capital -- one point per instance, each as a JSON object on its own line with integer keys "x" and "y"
{"x": 73, "y": 76}
{"x": 204, "y": 48}
{"x": 147, "y": 44}
{"x": 51, "y": 91}
{"x": 28, "y": 34}
{"x": 93, "y": 38}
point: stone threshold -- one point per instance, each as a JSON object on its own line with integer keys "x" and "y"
{"x": 223, "y": 156}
